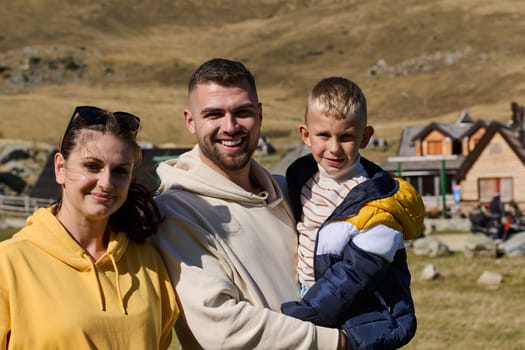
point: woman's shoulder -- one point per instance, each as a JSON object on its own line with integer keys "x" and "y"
{"x": 145, "y": 250}
{"x": 15, "y": 247}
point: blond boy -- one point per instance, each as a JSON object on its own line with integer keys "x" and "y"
{"x": 352, "y": 219}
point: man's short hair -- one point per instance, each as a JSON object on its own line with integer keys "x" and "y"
{"x": 223, "y": 72}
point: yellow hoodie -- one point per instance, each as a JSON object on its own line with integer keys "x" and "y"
{"x": 53, "y": 296}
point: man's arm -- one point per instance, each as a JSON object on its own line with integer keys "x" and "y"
{"x": 363, "y": 264}
{"x": 214, "y": 309}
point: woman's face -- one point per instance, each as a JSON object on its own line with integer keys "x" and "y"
{"x": 95, "y": 178}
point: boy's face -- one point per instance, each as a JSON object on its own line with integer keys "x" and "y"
{"x": 335, "y": 142}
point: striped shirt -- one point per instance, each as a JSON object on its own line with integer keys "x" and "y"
{"x": 320, "y": 195}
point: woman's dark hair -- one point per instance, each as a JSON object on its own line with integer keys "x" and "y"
{"x": 139, "y": 217}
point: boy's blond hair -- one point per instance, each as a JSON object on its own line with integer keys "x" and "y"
{"x": 339, "y": 98}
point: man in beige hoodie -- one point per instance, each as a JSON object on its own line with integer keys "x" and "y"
{"x": 229, "y": 238}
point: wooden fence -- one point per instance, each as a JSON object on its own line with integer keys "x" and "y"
{"x": 21, "y": 206}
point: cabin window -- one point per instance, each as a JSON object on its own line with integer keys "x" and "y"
{"x": 488, "y": 186}
{"x": 434, "y": 147}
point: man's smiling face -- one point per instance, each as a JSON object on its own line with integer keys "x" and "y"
{"x": 226, "y": 121}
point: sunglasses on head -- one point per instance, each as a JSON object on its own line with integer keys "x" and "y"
{"x": 95, "y": 116}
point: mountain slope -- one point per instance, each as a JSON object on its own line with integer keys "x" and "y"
{"x": 416, "y": 60}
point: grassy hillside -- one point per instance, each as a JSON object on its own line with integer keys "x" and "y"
{"x": 417, "y": 61}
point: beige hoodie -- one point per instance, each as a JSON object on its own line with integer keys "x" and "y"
{"x": 232, "y": 256}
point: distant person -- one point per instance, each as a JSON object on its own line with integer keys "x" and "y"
{"x": 496, "y": 206}
{"x": 352, "y": 217}
{"x": 498, "y": 220}
{"x": 80, "y": 275}
{"x": 229, "y": 238}
{"x": 456, "y": 193}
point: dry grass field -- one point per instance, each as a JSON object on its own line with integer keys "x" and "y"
{"x": 455, "y": 312}
{"x": 417, "y": 61}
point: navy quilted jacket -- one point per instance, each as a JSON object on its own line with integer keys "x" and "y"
{"x": 358, "y": 291}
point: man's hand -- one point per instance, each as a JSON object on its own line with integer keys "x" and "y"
{"x": 343, "y": 341}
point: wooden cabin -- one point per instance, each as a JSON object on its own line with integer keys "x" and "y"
{"x": 477, "y": 159}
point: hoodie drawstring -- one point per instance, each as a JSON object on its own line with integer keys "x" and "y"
{"x": 97, "y": 281}
{"x": 117, "y": 284}
{"x": 99, "y": 285}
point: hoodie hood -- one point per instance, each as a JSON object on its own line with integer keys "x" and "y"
{"x": 45, "y": 231}
{"x": 188, "y": 172}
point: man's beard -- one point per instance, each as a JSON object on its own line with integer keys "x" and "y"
{"x": 230, "y": 161}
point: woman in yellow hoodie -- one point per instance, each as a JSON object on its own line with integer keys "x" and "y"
{"x": 80, "y": 275}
